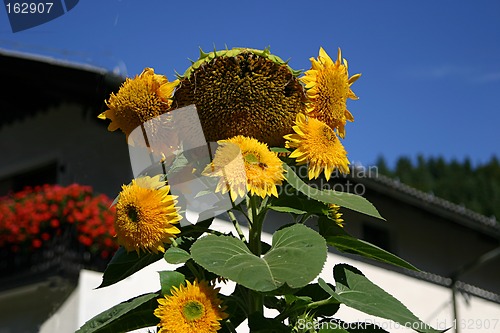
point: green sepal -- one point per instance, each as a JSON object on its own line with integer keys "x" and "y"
{"x": 169, "y": 279}
{"x": 207, "y": 57}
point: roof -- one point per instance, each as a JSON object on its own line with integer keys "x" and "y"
{"x": 427, "y": 201}
{"x": 452, "y": 212}
{"x": 460, "y": 286}
{"x": 36, "y": 82}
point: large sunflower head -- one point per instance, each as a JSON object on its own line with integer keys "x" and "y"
{"x": 317, "y": 145}
{"x": 262, "y": 172}
{"x": 193, "y": 308}
{"x": 138, "y": 100}
{"x": 328, "y": 87}
{"x": 145, "y": 215}
{"x": 242, "y": 92}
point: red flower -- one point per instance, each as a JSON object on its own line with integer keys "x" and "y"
{"x": 36, "y": 243}
{"x": 37, "y": 215}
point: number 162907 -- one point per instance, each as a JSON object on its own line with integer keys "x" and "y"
{"x": 29, "y": 7}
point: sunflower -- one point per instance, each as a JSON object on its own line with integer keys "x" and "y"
{"x": 242, "y": 92}
{"x": 138, "y": 100}
{"x": 263, "y": 169}
{"x": 228, "y": 167}
{"x": 335, "y": 215}
{"x": 145, "y": 215}
{"x": 328, "y": 87}
{"x": 194, "y": 308}
{"x": 317, "y": 145}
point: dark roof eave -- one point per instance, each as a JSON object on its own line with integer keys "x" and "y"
{"x": 41, "y": 82}
{"x": 432, "y": 204}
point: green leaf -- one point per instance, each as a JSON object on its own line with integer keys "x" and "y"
{"x": 287, "y": 210}
{"x": 317, "y": 293}
{"x": 179, "y": 163}
{"x": 350, "y": 244}
{"x": 124, "y": 264}
{"x": 356, "y": 291}
{"x": 342, "y": 241}
{"x": 343, "y": 199}
{"x": 279, "y": 150}
{"x": 326, "y": 287}
{"x": 259, "y": 324}
{"x": 301, "y": 202}
{"x": 296, "y": 257}
{"x": 124, "y": 317}
{"x": 169, "y": 279}
{"x": 192, "y": 231}
{"x": 175, "y": 255}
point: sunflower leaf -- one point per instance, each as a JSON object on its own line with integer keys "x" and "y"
{"x": 124, "y": 317}
{"x": 124, "y": 264}
{"x": 284, "y": 209}
{"x": 355, "y": 291}
{"x": 175, "y": 255}
{"x": 169, "y": 279}
{"x": 343, "y": 199}
{"x": 296, "y": 257}
{"x": 336, "y": 236}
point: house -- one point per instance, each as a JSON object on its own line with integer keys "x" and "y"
{"x": 49, "y": 131}
{"x": 456, "y": 249}
{"x": 49, "y": 134}
{"x": 448, "y": 240}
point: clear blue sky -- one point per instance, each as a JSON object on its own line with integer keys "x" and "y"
{"x": 430, "y": 69}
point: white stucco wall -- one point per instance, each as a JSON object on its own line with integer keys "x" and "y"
{"x": 431, "y": 303}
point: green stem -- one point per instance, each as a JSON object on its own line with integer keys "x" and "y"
{"x": 329, "y": 300}
{"x": 255, "y": 302}
{"x": 303, "y": 218}
{"x": 286, "y": 313}
{"x": 255, "y": 299}
{"x": 199, "y": 276}
{"x": 255, "y": 231}
{"x": 236, "y": 225}
{"x": 282, "y": 316}
{"x": 242, "y": 211}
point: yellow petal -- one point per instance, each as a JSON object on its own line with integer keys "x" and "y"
{"x": 353, "y": 78}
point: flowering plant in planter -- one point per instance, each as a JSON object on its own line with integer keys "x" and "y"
{"x": 260, "y": 123}
{"x": 42, "y": 217}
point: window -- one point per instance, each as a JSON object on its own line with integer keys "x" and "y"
{"x": 377, "y": 236}
{"x": 42, "y": 174}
